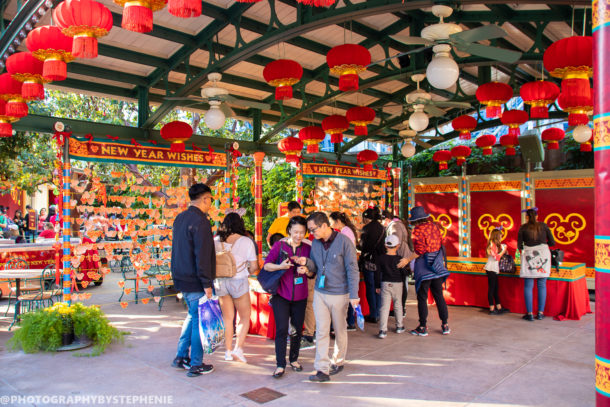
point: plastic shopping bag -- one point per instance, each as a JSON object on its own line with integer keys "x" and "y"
{"x": 211, "y": 325}
{"x": 359, "y": 317}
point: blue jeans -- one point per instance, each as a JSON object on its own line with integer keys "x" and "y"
{"x": 528, "y": 288}
{"x": 189, "y": 338}
{"x": 372, "y": 297}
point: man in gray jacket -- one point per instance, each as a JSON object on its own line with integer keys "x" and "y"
{"x": 336, "y": 265}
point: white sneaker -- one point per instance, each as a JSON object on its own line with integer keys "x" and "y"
{"x": 239, "y": 354}
{"x": 228, "y": 355}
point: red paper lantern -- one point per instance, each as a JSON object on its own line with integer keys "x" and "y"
{"x": 578, "y": 106}
{"x": 367, "y": 158}
{"x": 282, "y": 74}
{"x": 85, "y": 21}
{"x": 248, "y": 1}
{"x": 50, "y": 45}
{"x": 571, "y": 59}
{"x": 464, "y": 124}
{"x": 586, "y": 147}
{"x": 177, "y": 133}
{"x": 539, "y": 95}
{"x": 6, "y": 128}
{"x": 486, "y": 142}
{"x": 460, "y": 153}
{"x": 24, "y": 68}
{"x": 317, "y": 3}
{"x": 493, "y": 95}
{"x": 311, "y": 136}
{"x": 442, "y": 157}
{"x": 510, "y": 141}
{"x": 347, "y": 61}
{"x": 553, "y": 136}
{"x": 335, "y": 125}
{"x": 360, "y": 117}
{"x": 138, "y": 14}
{"x": 513, "y": 119}
{"x": 292, "y": 147}
{"x": 10, "y": 91}
{"x": 184, "y": 8}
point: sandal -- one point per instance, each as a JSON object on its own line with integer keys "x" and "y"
{"x": 296, "y": 366}
{"x": 279, "y": 372}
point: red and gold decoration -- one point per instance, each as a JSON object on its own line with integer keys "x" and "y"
{"x": 184, "y": 8}
{"x": 24, "y": 68}
{"x": 50, "y": 45}
{"x": 10, "y": 91}
{"x": 538, "y": 95}
{"x": 312, "y": 136}
{"x": 347, "y": 61}
{"x": 510, "y": 141}
{"x": 6, "y": 128}
{"x": 367, "y": 158}
{"x": 292, "y": 147}
{"x": 85, "y": 21}
{"x": 578, "y": 107}
{"x": 258, "y": 200}
{"x": 177, "y": 133}
{"x": 248, "y": 1}
{"x": 460, "y": 153}
{"x": 513, "y": 119}
{"x": 493, "y": 95}
{"x": 335, "y": 125}
{"x": 442, "y": 157}
{"x": 464, "y": 124}
{"x": 571, "y": 59}
{"x": 138, "y": 14}
{"x": 552, "y": 136}
{"x": 317, "y": 3}
{"x": 486, "y": 142}
{"x": 282, "y": 74}
{"x": 360, "y": 117}
{"x": 321, "y": 170}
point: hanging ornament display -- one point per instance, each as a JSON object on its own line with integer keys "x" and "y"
{"x": 583, "y": 134}
{"x": 408, "y": 149}
{"x": 50, "y": 45}
{"x": 138, "y": 14}
{"x": 10, "y": 91}
{"x": 513, "y": 119}
{"x": 486, "y": 143}
{"x": 493, "y": 95}
{"x": 317, "y": 3}
{"x": 571, "y": 59}
{"x": 6, "y": 128}
{"x": 335, "y": 125}
{"x": 85, "y": 21}
{"x": 312, "y": 136}
{"x": 538, "y": 95}
{"x": 360, "y": 117}
{"x": 552, "y": 137}
{"x": 578, "y": 107}
{"x": 177, "y": 133}
{"x": 510, "y": 141}
{"x": 460, "y": 153}
{"x": 282, "y": 74}
{"x": 292, "y": 148}
{"x": 464, "y": 124}
{"x": 442, "y": 157}
{"x": 367, "y": 158}
{"x": 347, "y": 61}
{"x": 184, "y": 8}
{"x": 24, "y": 68}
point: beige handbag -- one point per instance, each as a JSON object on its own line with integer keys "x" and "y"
{"x": 225, "y": 263}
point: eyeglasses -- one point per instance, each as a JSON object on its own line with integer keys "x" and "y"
{"x": 313, "y": 230}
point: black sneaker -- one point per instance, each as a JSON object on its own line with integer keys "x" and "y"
{"x": 371, "y": 319}
{"x": 420, "y": 331}
{"x": 307, "y": 344}
{"x": 382, "y": 334}
{"x": 319, "y": 377}
{"x": 351, "y": 328}
{"x": 400, "y": 329}
{"x": 334, "y": 369}
{"x": 182, "y": 363}
{"x": 540, "y": 316}
{"x": 199, "y": 370}
{"x": 528, "y": 317}
{"x": 494, "y": 312}
{"x": 503, "y": 310}
{"x": 446, "y": 330}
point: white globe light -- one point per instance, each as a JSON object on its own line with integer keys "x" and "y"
{"x": 419, "y": 121}
{"x": 443, "y": 71}
{"x": 582, "y": 133}
{"x": 408, "y": 149}
{"x": 214, "y": 118}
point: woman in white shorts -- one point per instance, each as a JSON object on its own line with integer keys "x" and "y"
{"x": 234, "y": 292}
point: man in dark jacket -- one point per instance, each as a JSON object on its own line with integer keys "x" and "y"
{"x": 193, "y": 272}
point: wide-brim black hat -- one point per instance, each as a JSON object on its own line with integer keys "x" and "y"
{"x": 418, "y": 213}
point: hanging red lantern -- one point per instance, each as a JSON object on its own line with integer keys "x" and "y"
{"x": 578, "y": 106}
{"x": 24, "y": 68}
{"x": 177, "y": 133}
{"x": 317, "y": 3}
{"x": 311, "y": 136}
{"x": 538, "y": 95}
{"x": 6, "y": 128}
{"x": 85, "y": 21}
{"x": 10, "y": 91}
{"x": 367, "y": 158}
{"x": 138, "y": 14}
{"x": 292, "y": 147}
{"x": 513, "y": 119}
{"x": 347, "y": 61}
{"x": 493, "y": 95}
{"x": 553, "y": 136}
{"x": 360, "y": 117}
{"x": 460, "y": 153}
{"x": 486, "y": 142}
{"x": 571, "y": 59}
{"x": 442, "y": 157}
{"x": 184, "y": 8}
{"x": 50, "y": 45}
{"x": 335, "y": 125}
{"x": 464, "y": 124}
{"x": 282, "y": 74}
{"x": 510, "y": 141}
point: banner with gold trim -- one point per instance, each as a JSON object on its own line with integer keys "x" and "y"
{"x": 342, "y": 171}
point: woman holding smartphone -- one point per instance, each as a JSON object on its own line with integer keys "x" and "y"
{"x": 290, "y": 256}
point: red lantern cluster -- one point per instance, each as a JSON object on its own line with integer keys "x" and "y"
{"x": 50, "y": 45}
{"x": 335, "y": 125}
{"x": 571, "y": 59}
{"x": 510, "y": 141}
{"x": 292, "y": 147}
{"x": 578, "y": 107}
{"x": 6, "y": 128}
{"x": 538, "y": 95}
{"x": 460, "y": 153}
{"x": 347, "y": 61}
{"x": 10, "y": 91}
{"x": 24, "y": 68}
{"x": 184, "y": 8}
{"x": 367, "y": 158}
{"x": 311, "y": 136}
{"x": 513, "y": 119}
{"x": 282, "y": 74}
{"x": 464, "y": 124}
{"x": 493, "y": 95}
{"x": 177, "y": 133}
{"x": 486, "y": 142}
{"x": 360, "y": 117}
{"x": 553, "y": 136}
{"x": 442, "y": 157}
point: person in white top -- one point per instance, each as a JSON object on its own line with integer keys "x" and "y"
{"x": 234, "y": 292}
{"x": 495, "y": 250}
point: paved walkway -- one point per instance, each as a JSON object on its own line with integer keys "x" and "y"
{"x": 486, "y": 361}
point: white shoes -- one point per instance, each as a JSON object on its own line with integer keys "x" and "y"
{"x": 239, "y": 354}
{"x": 228, "y": 355}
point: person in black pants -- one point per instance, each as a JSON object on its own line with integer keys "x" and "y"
{"x": 371, "y": 246}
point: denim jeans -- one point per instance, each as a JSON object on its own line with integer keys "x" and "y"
{"x": 528, "y": 288}
{"x": 372, "y": 297}
{"x": 189, "y": 338}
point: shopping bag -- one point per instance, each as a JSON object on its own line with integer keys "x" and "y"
{"x": 211, "y": 325}
{"x": 359, "y": 317}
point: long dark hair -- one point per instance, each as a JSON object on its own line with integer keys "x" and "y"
{"x": 232, "y": 223}
{"x": 532, "y": 225}
{"x": 342, "y": 217}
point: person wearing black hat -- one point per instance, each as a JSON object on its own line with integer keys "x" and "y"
{"x": 430, "y": 271}
{"x": 371, "y": 246}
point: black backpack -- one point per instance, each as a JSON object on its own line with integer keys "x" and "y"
{"x": 556, "y": 258}
{"x": 506, "y": 264}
